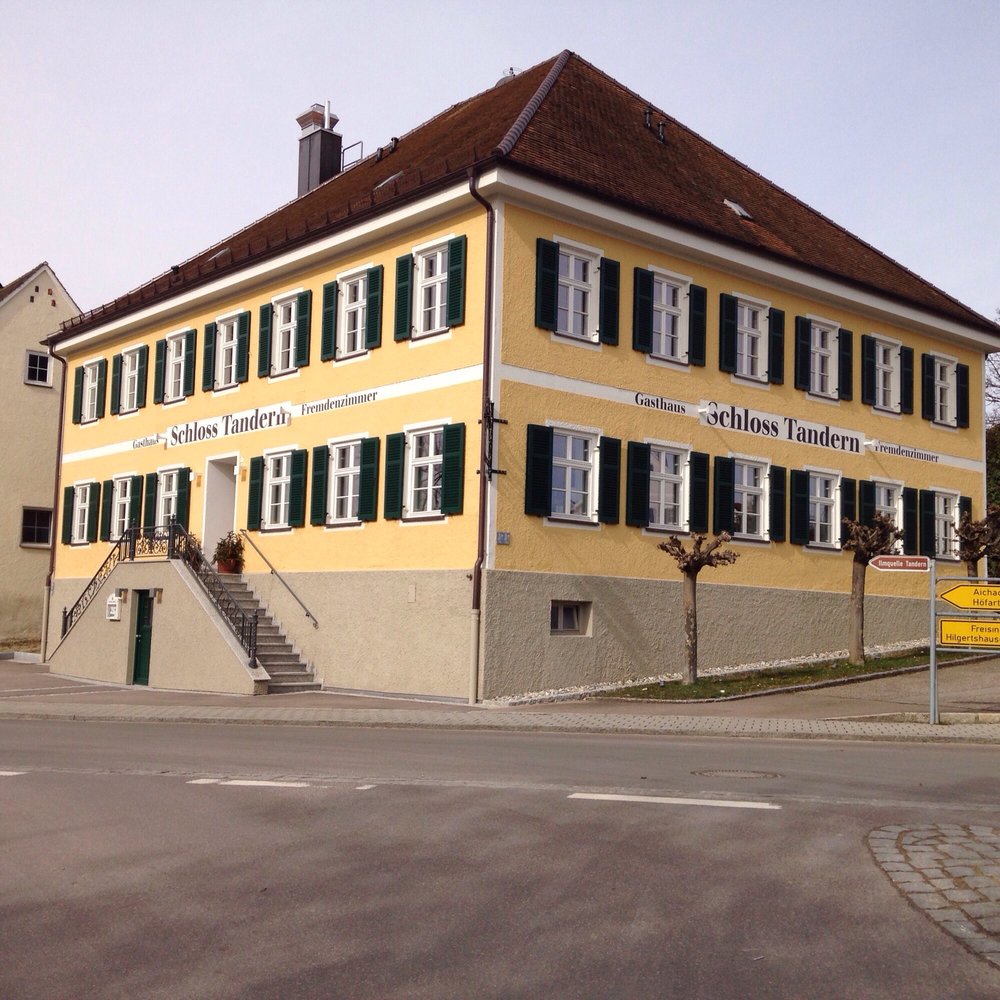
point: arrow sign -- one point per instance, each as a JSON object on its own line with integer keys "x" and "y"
{"x": 902, "y": 564}
{"x": 974, "y": 596}
{"x": 982, "y": 632}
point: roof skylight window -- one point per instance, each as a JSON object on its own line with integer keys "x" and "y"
{"x": 737, "y": 208}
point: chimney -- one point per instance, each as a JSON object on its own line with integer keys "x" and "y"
{"x": 319, "y": 148}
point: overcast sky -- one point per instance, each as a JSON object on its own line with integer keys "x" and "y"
{"x": 135, "y": 134}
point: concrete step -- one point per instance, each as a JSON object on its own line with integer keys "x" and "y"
{"x": 273, "y": 688}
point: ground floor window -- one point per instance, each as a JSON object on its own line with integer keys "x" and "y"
{"x": 569, "y": 618}
{"x": 277, "y": 483}
{"x": 573, "y": 456}
{"x": 945, "y": 525}
{"x": 667, "y": 488}
{"x": 822, "y": 509}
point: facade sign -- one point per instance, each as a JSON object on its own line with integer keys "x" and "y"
{"x": 901, "y": 564}
{"x": 974, "y": 596}
{"x": 261, "y": 418}
{"x": 778, "y": 427}
{"x": 981, "y": 632}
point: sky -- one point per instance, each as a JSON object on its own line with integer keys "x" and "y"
{"x": 134, "y": 134}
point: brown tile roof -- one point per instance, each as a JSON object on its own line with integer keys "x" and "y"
{"x": 570, "y": 123}
{"x": 12, "y": 286}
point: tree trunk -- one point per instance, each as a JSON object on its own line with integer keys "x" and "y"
{"x": 856, "y": 643}
{"x": 690, "y": 627}
{"x": 972, "y": 568}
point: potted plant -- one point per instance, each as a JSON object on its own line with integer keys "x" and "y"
{"x": 228, "y": 555}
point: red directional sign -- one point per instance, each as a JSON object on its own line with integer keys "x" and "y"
{"x": 901, "y": 564}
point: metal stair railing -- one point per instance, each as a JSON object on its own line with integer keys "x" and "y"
{"x": 281, "y": 579}
{"x": 71, "y": 616}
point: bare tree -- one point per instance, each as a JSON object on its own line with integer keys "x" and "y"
{"x": 992, "y": 388}
{"x": 866, "y": 541}
{"x": 979, "y": 539}
{"x": 691, "y": 562}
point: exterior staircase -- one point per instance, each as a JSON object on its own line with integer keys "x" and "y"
{"x": 274, "y": 652}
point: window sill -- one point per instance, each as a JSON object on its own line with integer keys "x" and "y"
{"x": 588, "y": 343}
{"x": 823, "y": 547}
{"x": 422, "y": 518}
{"x": 225, "y": 390}
{"x": 353, "y": 356}
{"x": 276, "y": 529}
{"x": 664, "y": 361}
{"x": 665, "y": 529}
{"x": 430, "y": 337}
{"x": 941, "y": 425}
{"x": 568, "y": 521}
{"x": 175, "y": 401}
{"x": 824, "y": 397}
{"x": 39, "y": 385}
{"x": 757, "y": 381}
{"x": 751, "y": 539}
{"x": 353, "y": 523}
{"x": 283, "y": 375}
{"x": 43, "y": 546}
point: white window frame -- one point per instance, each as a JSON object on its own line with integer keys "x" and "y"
{"x": 829, "y": 503}
{"x": 945, "y": 390}
{"x": 173, "y": 368}
{"x": 570, "y": 251}
{"x": 665, "y": 482}
{"x": 227, "y": 351}
{"x": 167, "y": 485}
{"x": 414, "y": 480}
{"x": 431, "y": 283}
{"x": 823, "y": 357}
{"x": 283, "y": 333}
{"x": 570, "y": 618}
{"x": 83, "y": 497}
{"x": 664, "y": 311}
{"x": 587, "y": 514}
{"x": 946, "y": 516}
{"x": 349, "y": 475}
{"x": 348, "y": 310}
{"x": 277, "y": 486}
{"x": 888, "y": 374}
{"x": 128, "y": 389}
{"x": 30, "y": 356}
{"x": 37, "y": 510}
{"x": 889, "y": 501}
{"x": 121, "y": 505}
{"x": 91, "y": 381}
{"x": 748, "y": 494}
{"x": 750, "y": 337}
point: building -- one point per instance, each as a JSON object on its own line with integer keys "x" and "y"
{"x": 455, "y": 395}
{"x": 31, "y": 307}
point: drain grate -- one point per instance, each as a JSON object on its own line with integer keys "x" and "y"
{"x": 735, "y": 773}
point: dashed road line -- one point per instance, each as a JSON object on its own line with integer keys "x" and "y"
{"x": 364, "y": 788}
{"x": 670, "y": 801}
{"x": 11, "y": 774}
{"x": 247, "y": 783}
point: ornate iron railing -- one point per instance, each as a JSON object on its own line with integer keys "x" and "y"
{"x": 171, "y": 541}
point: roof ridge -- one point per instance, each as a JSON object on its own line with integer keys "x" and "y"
{"x": 12, "y": 287}
{"x": 516, "y": 130}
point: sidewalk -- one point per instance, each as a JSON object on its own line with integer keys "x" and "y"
{"x": 861, "y": 711}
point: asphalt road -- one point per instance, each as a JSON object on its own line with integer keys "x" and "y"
{"x": 440, "y": 864}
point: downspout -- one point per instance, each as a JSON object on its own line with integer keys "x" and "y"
{"x": 484, "y": 459}
{"x": 47, "y": 595}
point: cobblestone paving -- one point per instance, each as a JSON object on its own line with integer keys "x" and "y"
{"x": 950, "y": 872}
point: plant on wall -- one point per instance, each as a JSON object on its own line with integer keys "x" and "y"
{"x": 228, "y": 555}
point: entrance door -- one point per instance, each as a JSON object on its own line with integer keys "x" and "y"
{"x": 220, "y": 501}
{"x": 143, "y": 637}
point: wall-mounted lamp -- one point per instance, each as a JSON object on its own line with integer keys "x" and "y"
{"x": 122, "y": 594}
{"x": 156, "y": 592}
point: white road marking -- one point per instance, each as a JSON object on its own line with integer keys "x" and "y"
{"x": 664, "y": 800}
{"x": 11, "y": 774}
{"x": 203, "y": 781}
{"x": 266, "y": 784}
{"x": 364, "y": 788}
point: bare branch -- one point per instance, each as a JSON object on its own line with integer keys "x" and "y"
{"x": 869, "y": 540}
{"x": 691, "y": 562}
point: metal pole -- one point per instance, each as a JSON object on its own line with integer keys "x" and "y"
{"x": 933, "y": 713}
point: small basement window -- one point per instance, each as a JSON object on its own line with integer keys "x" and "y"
{"x": 570, "y": 618}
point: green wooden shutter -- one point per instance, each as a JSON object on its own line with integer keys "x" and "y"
{"x": 697, "y": 324}
{"x": 368, "y": 486}
{"x": 69, "y": 495}
{"x": 373, "y": 309}
{"x": 803, "y": 349}
{"x": 637, "y": 484}
{"x": 926, "y": 515}
{"x": 538, "y": 471}
{"x": 208, "y": 358}
{"x": 724, "y": 494}
{"x": 159, "y": 371}
{"x": 78, "y": 395}
{"x": 866, "y": 502}
{"x": 453, "y": 469}
{"x": 727, "y": 332}
{"x": 964, "y": 508}
{"x": 926, "y": 390}
{"x": 297, "y": 489}
{"x": 321, "y": 466}
{"x": 149, "y": 513}
{"x": 190, "y": 343}
{"x": 962, "y": 395}
{"x": 776, "y": 346}
{"x": 142, "y": 366}
{"x": 642, "y": 311}
{"x": 798, "y": 507}
{"x": 776, "y": 503}
{"x": 102, "y": 385}
{"x": 906, "y": 381}
{"x": 255, "y": 490}
{"x": 698, "y": 496}
{"x": 303, "y": 328}
{"x": 845, "y": 364}
{"x": 546, "y": 284}
{"x": 867, "y": 370}
{"x": 455, "y": 307}
{"x": 328, "y": 326}
{"x": 848, "y": 504}
{"x": 395, "y": 450}
{"x": 609, "y": 479}
{"x": 911, "y": 531}
{"x": 95, "y": 504}
{"x": 404, "y": 302}
{"x": 243, "y": 346}
{"x": 183, "y": 497}
{"x": 135, "y": 502}
{"x": 116, "y": 383}
{"x": 264, "y": 340}
{"x": 610, "y": 282}
{"x": 107, "y": 498}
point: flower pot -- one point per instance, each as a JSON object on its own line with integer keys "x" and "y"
{"x": 227, "y": 566}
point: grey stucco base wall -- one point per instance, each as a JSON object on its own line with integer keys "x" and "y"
{"x": 191, "y": 649}
{"x": 636, "y": 628}
{"x": 398, "y": 631}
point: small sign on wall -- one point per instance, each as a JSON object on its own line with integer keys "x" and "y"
{"x": 114, "y": 608}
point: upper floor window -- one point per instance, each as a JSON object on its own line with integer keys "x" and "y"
{"x": 173, "y": 387}
{"x": 750, "y": 353}
{"x": 424, "y": 472}
{"x": 823, "y": 520}
{"x": 174, "y": 377}
{"x": 945, "y": 391}
{"x": 352, "y": 314}
{"x": 345, "y": 481}
{"x": 669, "y": 340}
{"x": 277, "y": 490}
{"x": 121, "y": 507}
{"x": 751, "y": 339}
{"x": 822, "y": 356}
{"x": 37, "y": 368}
{"x": 166, "y": 496}
{"x": 573, "y": 313}
{"x": 283, "y": 338}
{"x": 351, "y": 330}
{"x": 277, "y": 485}
{"x": 89, "y": 391}
{"x": 886, "y": 374}
{"x": 36, "y": 526}
{"x": 85, "y": 499}
{"x": 133, "y": 370}
{"x": 226, "y": 352}
{"x": 284, "y": 334}
{"x": 430, "y": 289}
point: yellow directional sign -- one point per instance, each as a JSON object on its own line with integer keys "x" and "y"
{"x": 974, "y": 596}
{"x": 983, "y": 632}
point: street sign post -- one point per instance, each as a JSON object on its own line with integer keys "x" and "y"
{"x": 901, "y": 564}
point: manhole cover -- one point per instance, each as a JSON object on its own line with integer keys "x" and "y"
{"x": 735, "y": 773}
